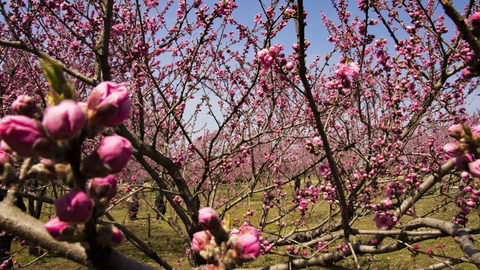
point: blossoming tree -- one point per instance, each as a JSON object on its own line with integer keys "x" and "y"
{"x": 219, "y": 110}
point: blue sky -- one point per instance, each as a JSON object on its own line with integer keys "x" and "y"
{"x": 315, "y": 32}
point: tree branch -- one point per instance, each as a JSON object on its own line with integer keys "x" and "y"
{"x": 18, "y": 223}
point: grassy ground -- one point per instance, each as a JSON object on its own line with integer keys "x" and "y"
{"x": 166, "y": 243}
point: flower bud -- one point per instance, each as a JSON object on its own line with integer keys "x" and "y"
{"x": 108, "y": 104}
{"x": 62, "y": 231}
{"x": 475, "y": 18}
{"x": 467, "y": 73}
{"x": 24, "y": 135}
{"x": 64, "y": 120}
{"x": 249, "y": 230}
{"x": 115, "y": 151}
{"x": 208, "y": 218}
{"x": 456, "y": 131}
{"x": 105, "y": 187}
{"x": 317, "y": 141}
{"x": 462, "y": 161}
{"x": 246, "y": 248}
{"x": 454, "y": 149}
{"x": 111, "y": 156}
{"x": 4, "y": 147}
{"x": 74, "y": 207}
{"x": 475, "y": 21}
{"x": 25, "y": 105}
{"x": 200, "y": 241}
{"x": 197, "y": 3}
{"x": 474, "y": 168}
{"x": 110, "y": 235}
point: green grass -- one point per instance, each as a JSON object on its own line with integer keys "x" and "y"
{"x": 167, "y": 244}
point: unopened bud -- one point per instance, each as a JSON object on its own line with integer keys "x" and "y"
{"x": 246, "y": 248}
{"x": 456, "y": 131}
{"x": 474, "y": 168}
{"x": 453, "y": 149}
{"x": 475, "y": 22}
{"x": 25, "y": 105}
{"x": 4, "y": 147}
{"x": 74, "y": 207}
{"x": 462, "y": 161}
{"x": 111, "y": 156}
{"x": 208, "y": 218}
{"x": 64, "y": 120}
{"x": 105, "y": 187}
{"x": 24, "y": 135}
{"x": 200, "y": 241}
{"x": 110, "y": 235}
{"x": 62, "y": 231}
{"x": 467, "y": 73}
{"x": 108, "y": 104}
{"x": 249, "y": 230}
{"x": 102, "y": 189}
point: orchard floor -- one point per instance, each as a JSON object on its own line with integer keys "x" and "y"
{"x": 170, "y": 248}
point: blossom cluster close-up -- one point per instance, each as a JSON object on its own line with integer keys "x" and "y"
{"x": 223, "y": 250}
{"x": 49, "y": 137}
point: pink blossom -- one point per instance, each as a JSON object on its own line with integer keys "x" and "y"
{"x": 61, "y": 230}
{"x": 208, "y": 218}
{"x": 23, "y": 135}
{"x": 354, "y": 70}
{"x": 111, "y": 156}
{"x": 269, "y": 13}
{"x": 103, "y": 187}
{"x": 475, "y": 130}
{"x": 474, "y": 168}
{"x": 351, "y": 70}
{"x": 462, "y": 161}
{"x": 200, "y": 241}
{"x": 453, "y": 149}
{"x": 261, "y": 54}
{"x": 475, "y": 20}
{"x": 467, "y": 73}
{"x": 25, "y": 105}
{"x": 74, "y": 207}
{"x": 110, "y": 235}
{"x": 4, "y": 147}
{"x": 197, "y": 3}
{"x": 303, "y": 203}
{"x": 249, "y": 230}
{"x": 246, "y": 248}
{"x": 64, "y": 120}
{"x": 115, "y": 151}
{"x": 109, "y": 104}
{"x": 275, "y": 49}
{"x": 386, "y": 219}
{"x": 387, "y": 202}
{"x": 456, "y": 131}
